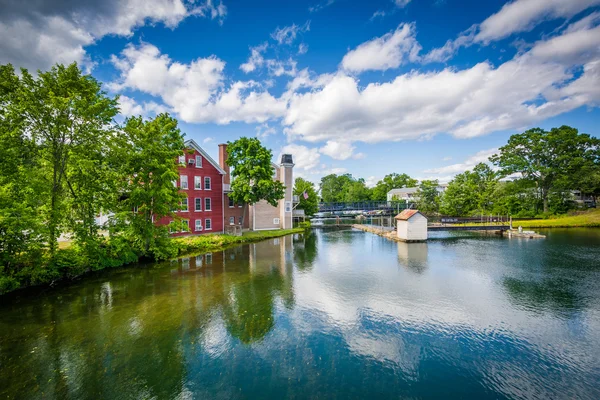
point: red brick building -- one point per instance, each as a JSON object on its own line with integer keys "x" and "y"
{"x": 201, "y": 180}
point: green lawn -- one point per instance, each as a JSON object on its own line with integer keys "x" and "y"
{"x": 588, "y": 219}
{"x": 217, "y": 242}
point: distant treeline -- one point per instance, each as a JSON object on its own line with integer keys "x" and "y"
{"x": 534, "y": 173}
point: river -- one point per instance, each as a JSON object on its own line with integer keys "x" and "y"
{"x": 328, "y": 314}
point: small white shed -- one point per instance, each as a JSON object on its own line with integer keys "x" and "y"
{"x": 411, "y": 226}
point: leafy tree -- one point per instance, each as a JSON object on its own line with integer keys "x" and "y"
{"x": 69, "y": 120}
{"x": 252, "y": 175}
{"x": 356, "y": 190}
{"x": 547, "y": 158}
{"x": 310, "y": 205}
{"x": 389, "y": 182}
{"x": 428, "y": 197}
{"x": 470, "y": 192}
{"x": 332, "y": 187}
{"x": 147, "y": 152}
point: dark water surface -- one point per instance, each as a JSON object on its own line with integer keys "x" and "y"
{"x": 330, "y": 314}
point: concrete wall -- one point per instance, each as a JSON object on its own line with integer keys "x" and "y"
{"x": 285, "y": 205}
{"x": 264, "y": 216}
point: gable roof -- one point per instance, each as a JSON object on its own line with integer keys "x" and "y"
{"x": 405, "y": 215}
{"x": 191, "y": 144}
{"x": 403, "y": 190}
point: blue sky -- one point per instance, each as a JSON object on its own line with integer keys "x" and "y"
{"x": 425, "y": 87}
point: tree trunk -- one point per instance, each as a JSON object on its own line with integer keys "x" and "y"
{"x": 545, "y": 200}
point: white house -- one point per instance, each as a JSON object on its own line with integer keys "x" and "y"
{"x": 410, "y": 194}
{"x": 411, "y": 226}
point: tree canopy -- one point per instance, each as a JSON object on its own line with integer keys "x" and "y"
{"x": 550, "y": 159}
{"x": 310, "y": 205}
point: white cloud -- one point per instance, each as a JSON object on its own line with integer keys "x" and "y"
{"x": 288, "y": 34}
{"x": 339, "y": 150}
{"x": 524, "y": 15}
{"x": 371, "y": 181}
{"x": 302, "y": 48}
{"x": 264, "y": 130}
{"x": 256, "y": 59}
{"x": 129, "y": 107}
{"x": 305, "y": 159}
{"x": 385, "y": 52}
{"x": 195, "y": 91}
{"x": 377, "y": 14}
{"x": 320, "y": 6}
{"x": 37, "y": 35}
{"x": 480, "y": 157}
{"x": 208, "y": 140}
{"x": 475, "y": 101}
{"x": 401, "y": 3}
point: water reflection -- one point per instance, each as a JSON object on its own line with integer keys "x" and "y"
{"x": 328, "y": 314}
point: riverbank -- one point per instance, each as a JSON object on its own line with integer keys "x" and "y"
{"x": 589, "y": 219}
{"x": 69, "y": 265}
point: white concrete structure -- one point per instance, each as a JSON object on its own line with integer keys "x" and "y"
{"x": 411, "y": 226}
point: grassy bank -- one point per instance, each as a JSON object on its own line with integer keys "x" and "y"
{"x": 69, "y": 263}
{"x": 201, "y": 243}
{"x": 588, "y": 219}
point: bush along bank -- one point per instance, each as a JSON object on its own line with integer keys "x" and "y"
{"x": 69, "y": 263}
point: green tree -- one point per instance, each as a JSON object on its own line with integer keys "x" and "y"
{"x": 69, "y": 119}
{"x": 547, "y": 158}
{"x": 428, "y": 197}
{"x": 252, "y": 175}
{"x": 389, "y": 182}
{"x": 470, "y": 192}
{"x": 310, "y": 205}
{"x": 356, "y": 190}
{"x": 147, "y": 152}
{"x": 332, "y": 187}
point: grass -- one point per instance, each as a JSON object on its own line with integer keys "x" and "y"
{"x": 587, "y": 219}
{"x": 217, "y": 242}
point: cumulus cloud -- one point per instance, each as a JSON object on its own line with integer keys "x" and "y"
{"x": 480, "y": 157}
{"x": 475, "y": 101}
{"x": 287, "y": 34}
{"x": 385, "y": 52}
{"x": 40, "y": 34}
{"x": 340, "y": 150}
{"x": 129, "y": 107}
{"x": 321, "y": 5}
{"x": 196, "y": 91}
{"x": 264, "y": 130}
{"x": 305, "y": 158}
{"x": 401, "y": 3}
{"x": 302, "y": 48}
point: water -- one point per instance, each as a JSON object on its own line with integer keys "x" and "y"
{"x": 333, "y": 314}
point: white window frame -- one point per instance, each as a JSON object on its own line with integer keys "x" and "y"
{"x": 209, "y": 183}
{"x": 171, "y": 226}
{"x": 231, "y": 203}
{"x": 187, "y": 206}
{"x": 196, "y": 204}
{"x": 198, "y": 161}
{"x": 182, "y": 179}
{"x": 182, "y": 159}
{"x": 276, "y": 221}
{"x": 288, "y": 206}
{"x": 239, "y": 220}
{"x": 196, "y": 225}
{"x": 209, "y": 203}
{"x": 207, "y": 222}
{"x": 174, "y": 182}
{"x": 197, "y": 183}
{"x": 186, "y": 223}
{"x": 231, "y": 220}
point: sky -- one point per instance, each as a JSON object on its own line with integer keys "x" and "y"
{"x": 424, "y": 87}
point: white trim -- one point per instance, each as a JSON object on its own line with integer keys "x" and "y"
{"x": 223, "y": 203}
{"x": 196, "y": 225}
{"x": 196, "y": 208}
{"x": 209, "y": 183}
{"x": 187, "y": 182}
{"x": 191, "y": 143}
{"x": 200, "y": 181}
{"x": 205, "y": 227}
{"x": 210, "y": 200}
{"x": 187, "y": 206}
{"x": 183, "y": 222}
{"x": 196, "y": 161}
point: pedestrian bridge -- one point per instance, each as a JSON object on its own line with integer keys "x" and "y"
{"x": 386, "y": 207}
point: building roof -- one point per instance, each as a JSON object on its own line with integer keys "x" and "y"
{"x": 191, "y": 144}
{"x": 404, "y": 190}
{"x": 405, "y": 215}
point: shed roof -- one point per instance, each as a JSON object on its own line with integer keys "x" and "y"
{"x": 405, "y": 215}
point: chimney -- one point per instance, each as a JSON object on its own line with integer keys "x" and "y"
{"x": 223, "y": 162}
